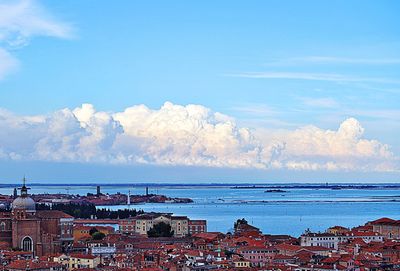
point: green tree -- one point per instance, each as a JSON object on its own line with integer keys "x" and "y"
{"x": 160, "y": 230}
{"x": 89, "y": 210}
{"x": 228, "y": 253}
{"x": 98, "y": 236}
{"x": 93, "y": 231}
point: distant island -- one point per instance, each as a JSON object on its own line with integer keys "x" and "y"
{"x": 319, "y": 186}
{"x": 275, "y": 191}
{"x": 98, "y": 198}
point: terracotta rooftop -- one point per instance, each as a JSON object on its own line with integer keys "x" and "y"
{"x": 52, "y": 214}
{"x": 31, "y": 265}
{"x": 385, "y": 220}
{"x": 82, "y": 256}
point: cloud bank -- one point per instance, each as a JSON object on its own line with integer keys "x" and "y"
{"x": 190, "y": 135}
{"x": 20, "y": 21}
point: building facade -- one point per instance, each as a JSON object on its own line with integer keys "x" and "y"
{"x": 40, "y": 232}
{"x": 181, "y": 225}
{"x": 389, "y": 228}
{"x": 332, "y": 241}
{"x": 197, "y": 226}
{"x": 78, "y": 261}
{"x": 321, "y": 239}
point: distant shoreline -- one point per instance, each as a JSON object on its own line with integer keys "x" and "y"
{"x": 322, "y": 186}
{"x": 333, "y": 186}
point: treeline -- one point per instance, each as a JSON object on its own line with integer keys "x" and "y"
{"x": 90, "y": 211}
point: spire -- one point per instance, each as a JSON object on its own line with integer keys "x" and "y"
{"x": 24, "y": 189}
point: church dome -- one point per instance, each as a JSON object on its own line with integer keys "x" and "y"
{"x": 24, "y": 203}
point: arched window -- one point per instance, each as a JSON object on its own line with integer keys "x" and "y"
{"x": 27, "y": 244}
{"x": 2, "y": 226}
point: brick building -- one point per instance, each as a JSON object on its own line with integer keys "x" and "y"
{"x": 388, "y": 227}
{"x": 40, "y": 232}
{"x": 197, "y": 226}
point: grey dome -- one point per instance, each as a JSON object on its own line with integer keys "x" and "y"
{"x": 24, "y": 203}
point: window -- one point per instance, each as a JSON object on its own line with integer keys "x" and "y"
{"x": 27, "y": 244}
{"x": 2, "y": 226}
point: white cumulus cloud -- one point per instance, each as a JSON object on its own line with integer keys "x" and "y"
{"x": 190, "y": 135}
{"x": 313, "y": 148}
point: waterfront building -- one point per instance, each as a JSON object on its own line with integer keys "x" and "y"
{"x": 144, "y": 222}
{"x": 181, "y": 225}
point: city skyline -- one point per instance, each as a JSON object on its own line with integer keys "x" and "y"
{"x": 188, "y": 92}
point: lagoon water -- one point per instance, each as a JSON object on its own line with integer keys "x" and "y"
{"x": 276, "y": 213}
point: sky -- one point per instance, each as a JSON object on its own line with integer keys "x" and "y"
{"x": 200, "y": 91}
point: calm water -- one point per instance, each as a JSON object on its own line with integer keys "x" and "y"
{"x": 276, "y": 213}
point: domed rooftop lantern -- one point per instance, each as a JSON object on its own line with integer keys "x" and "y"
{"x": 24, "y": 203}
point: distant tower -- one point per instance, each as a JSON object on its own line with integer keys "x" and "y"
{"x": 129, "y": 198}
{"x": 98, "y": 190}
{"x": 147, "y": 190}
{"x": 15, "y": 193}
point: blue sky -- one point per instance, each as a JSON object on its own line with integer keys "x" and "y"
{"x": 272, "y": 66}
